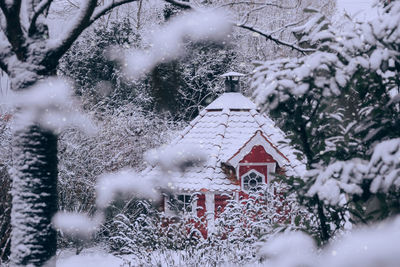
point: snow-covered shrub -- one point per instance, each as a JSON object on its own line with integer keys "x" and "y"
{"x": 121, "y": 141}
{"x": 123, "y": 137}
{"x": 243, "y": 224}
{"x": 238, "y": 231}
{"x": 148, "y": 230}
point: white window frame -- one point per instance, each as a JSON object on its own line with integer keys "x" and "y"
{"x": 169, "y": 211}
{"x": 271, "y": 168}
{"x": 247, "y": 173}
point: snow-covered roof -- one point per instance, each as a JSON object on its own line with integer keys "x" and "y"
{"x": 222, "y": 130}
{"x": 231, "y": 101}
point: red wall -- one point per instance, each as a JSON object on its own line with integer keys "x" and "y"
{"x": 256, "y": 155}
{"x": 201, "y": 205}
{"x": 201, "y": 211}
{"x": 220, "y": 202}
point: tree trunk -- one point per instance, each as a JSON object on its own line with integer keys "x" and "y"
{"x": 5, "y": 214}
{"x": 324, "y": 230}
{"x": 34, "y": 202}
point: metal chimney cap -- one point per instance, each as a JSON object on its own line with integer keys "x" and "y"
{"x": 233, "y": 74}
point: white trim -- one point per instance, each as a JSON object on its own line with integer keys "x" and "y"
{"x": 170, "y": 212}
{"x": 258, "y": 140}
{"x": 271, "y": 168}
{"x": 210, "y": 211}
{"x": 167, "y": 210}
{"x": 255, "y": 164}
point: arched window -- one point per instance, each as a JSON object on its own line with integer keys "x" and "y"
{"x": 252, "y": 181}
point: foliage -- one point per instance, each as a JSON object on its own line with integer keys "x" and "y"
{"x": 180, "y": 88}
{"x": 99, "y": 81}
{"x": 340, "y": 106}
{"x": 121, "y": 140}
{"x": 185, "y": 86}
{"x": 238, "y": 229}
{"x": 149, "y": 230}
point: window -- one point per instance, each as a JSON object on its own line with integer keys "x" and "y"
{"x": 181, "y": 203}
{"x": 252, "y": 181}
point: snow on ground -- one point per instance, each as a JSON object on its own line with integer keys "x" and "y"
{"x": 92, "y": 257}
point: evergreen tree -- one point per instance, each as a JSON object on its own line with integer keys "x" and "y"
{"x": 340, "y": 107}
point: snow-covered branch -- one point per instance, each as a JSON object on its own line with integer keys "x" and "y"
{"x": 40, "y": 8}
{"x": 13, "y": 28}
{"x": 5, "y": 53}
{"x": 273, "y": 4}
{"x": 80, "y": 23}
{"x": 181, "y": 4}
{"x": 99, "y": 12}
{"x": 259, "y": 6}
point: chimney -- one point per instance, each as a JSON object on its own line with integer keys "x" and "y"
{"x": 232, "y": 81}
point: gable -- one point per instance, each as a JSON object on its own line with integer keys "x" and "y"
{"x": 256, "y": 149}
{"x": 257, "y": 160}
{"x": 257, "y": 155}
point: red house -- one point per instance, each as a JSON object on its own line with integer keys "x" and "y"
{"x": 244, "y": 148}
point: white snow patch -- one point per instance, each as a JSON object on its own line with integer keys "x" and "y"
{"x": 384, "y": 166}
{"x": 51, "y": 105}
{"x": 369, "y": 247}
{"x": 374, "y": 246}
{"x": 124, "y": 182}
{"x": 167, "y": 43}
{"x": 76, "y": 224}
{"x": 177, "y": 157}
{"x": 232, "y": 101}
{"x": 93, "y": 259}
{"x": 289, "y": 249}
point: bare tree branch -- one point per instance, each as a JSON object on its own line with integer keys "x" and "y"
{"x": 13, "y": 28}
{"x": 41, "y": 7}
{"x": 138, "y": 14}
{"x": 288, "y": 25}
{"x": 259, "y": 4}
{"x": 268, "y": 36}
{"x": 180, "y": 4}
{"x": 248, "y": 13}
{"x": 276, "y": 40}
{"x": 107, "y": 8}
